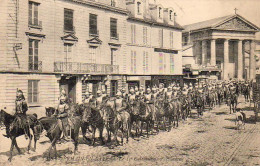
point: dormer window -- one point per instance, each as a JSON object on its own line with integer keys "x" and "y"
{"x": 160, "y": 12}
{"x": 139, "y": 7}
{"x": 170, "y": 15}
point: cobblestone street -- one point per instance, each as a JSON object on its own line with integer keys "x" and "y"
{"x": 210, "y": 140}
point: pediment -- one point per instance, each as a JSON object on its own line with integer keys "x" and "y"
{"x": 236, "y": 24}
{"x": 94, "y": 40}
{"x": 69, "y": 37}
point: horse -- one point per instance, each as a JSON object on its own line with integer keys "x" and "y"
{"x": 134, "y": 111}
{"x": 246, "y": 92}
{"x": 92, "y": 117}
{"x": 50, "y": 124}
{"x": 16, "y": 130}
{"x": 49, "y": 111}
{"x": 240, "y": 119}
{"x": 199, "y": 104}
{"x": 232, "y": 102}
{"x": 145, "y": 116}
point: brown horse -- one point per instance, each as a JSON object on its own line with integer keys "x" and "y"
{"x": 17, "y": 131}
{"x": 50, "y": 124}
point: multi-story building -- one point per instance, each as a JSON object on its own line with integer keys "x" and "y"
{"x": 153, "y": 44}
{"x": 53, "y": 44}
{"x": 84, "y": 45}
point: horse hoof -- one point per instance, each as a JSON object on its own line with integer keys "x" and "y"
{"x": 9, "y": 159}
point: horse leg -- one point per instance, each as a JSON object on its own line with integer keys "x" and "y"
{"x": 16, "y": 146}
{"x": 55, "y": 151}
{"x": 101, "y": 135}
{"x": 11, "y": 149}
{"x": 35, "y": 141}
{"x": 30, "y": 141}
{"x": 93, "y": 136}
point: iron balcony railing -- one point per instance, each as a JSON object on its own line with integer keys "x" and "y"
{"x": 89, "y": 68}
{"x": 35, "y": 66}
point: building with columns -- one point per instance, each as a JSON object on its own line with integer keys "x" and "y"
{"x": 216, "y": 48}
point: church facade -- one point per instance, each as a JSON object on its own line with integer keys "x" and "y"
{"x": 221, "y": 48}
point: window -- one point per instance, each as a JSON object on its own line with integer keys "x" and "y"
{"x": 172, "y": 63}
{"x": 113, "y": 28}
{"x": 185, "y": 40}
{"x": 113, "y": 56}
{"x": 33, "y": 55}
{"x": 68, "y": 20}
{"x": 133, "y": 62}
{"x": 33, "y": 91}
{"x": 113, "y": 3}
{"x": 93, "y": 24}
{"x": 160, "y": 38}
{"x": 114, "y": 86}
{"x": 133, "y": 32}
{"x": 145, "y": 62}
{"x": 160, "y": 12}
{"x": 171, "y": 39}
{"x": 68, "y": 52}
{"x": 93, "y": 53}
{"x": 138, "y": 7}
{"x": 170, "y": 15}
{"x": 33, "y": 14}
{"x": 145, "y": 35}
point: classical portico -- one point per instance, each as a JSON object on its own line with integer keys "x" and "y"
{"x": 219, "y": 45}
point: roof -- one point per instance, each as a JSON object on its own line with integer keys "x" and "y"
{"x": 212, "y": 23}
{"x": 153, "y": 22}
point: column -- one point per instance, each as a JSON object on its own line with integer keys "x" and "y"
{"x": 226, "y": 59}
{"x": 252, "y": 61}
{"x": 213, "y": 52}
{"x": 79, "y": 89}
{"x": 204, "y": 52}
{"x": 240, "y": 60}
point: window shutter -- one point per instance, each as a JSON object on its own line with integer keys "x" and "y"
{"x": 144, "y": 62}
{"x": 35, "y": 91}
{"x": 132, "y": 62}
{"x": 30, "y": 91}
{"x": 30, "y": 13}
{"x": 93, "y": 24}
{"x": 35, "y": 14}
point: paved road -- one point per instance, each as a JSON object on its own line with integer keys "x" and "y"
{"x": 210, "y": 140}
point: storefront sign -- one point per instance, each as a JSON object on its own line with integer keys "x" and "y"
{"x": 165, "y": 50}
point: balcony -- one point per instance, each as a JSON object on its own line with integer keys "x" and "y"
{"x": 35, "y": 67}
{"x": 85, "y": 68}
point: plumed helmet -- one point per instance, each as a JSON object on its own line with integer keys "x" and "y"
{"x": 99, "y": 92}
{"x": 148, "y": 90}
{"x": 123, "y": 89}
{"x": 154, "y": 89}
{"x": 87, "y": 93}
{"x": 136, "y": 88}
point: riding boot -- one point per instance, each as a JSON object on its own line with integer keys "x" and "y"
{"x": 7, "y": 135}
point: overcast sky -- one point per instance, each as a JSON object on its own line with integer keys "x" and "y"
{"x": 191, "y": 11}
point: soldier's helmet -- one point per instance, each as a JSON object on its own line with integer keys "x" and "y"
{"x": 62, "y": 98}
{"x": 63, "y": 92}
{"x": 136, "y": 88}
{"x": 19, "y": 93}
{"x": 99, "y": 92}
{"x": 103, "y": 91}
{"x": 118, "y": 94}
{"x": 123, "y": 90}
{"x": 148, "y": 90}
{"x": 154, "y": 89}
{"x": 131, "y": 90}
{"x": 87, "y": 94}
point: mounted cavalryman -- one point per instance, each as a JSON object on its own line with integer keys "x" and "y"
{"x": 20, "y": 114}
{"x": 62, "y": 113}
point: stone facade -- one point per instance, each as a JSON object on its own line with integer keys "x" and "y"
{"x": 48, "y": 45}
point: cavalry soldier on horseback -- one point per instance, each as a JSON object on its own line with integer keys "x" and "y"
{"x": 132, "y": 97}
{"x": 120, "y": 105}
{"x": 88, "y": 99}
{"x": 62, "y": 113}
{"x": 20, "y": 114}
{"x": 124, "y": 94}
{"x": 149, "y": 99}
